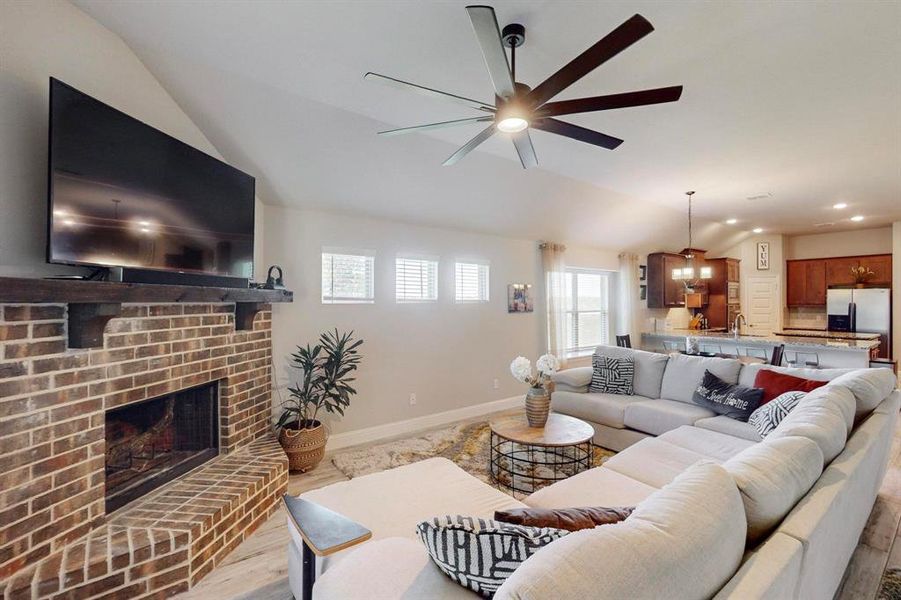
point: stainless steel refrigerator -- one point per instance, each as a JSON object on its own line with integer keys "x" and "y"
{"x": 866, "y": 310}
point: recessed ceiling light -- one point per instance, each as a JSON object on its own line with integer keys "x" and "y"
{"x": 731, "y": 221}
{"x": 144, "y": 223}
{"x": 512, "y": 124}
{"x": 145, "y": 229}
{"x": 757, "y": 230}
{"x": 840, "y": 205}
{"x": 857, "y": 218}
{"x": 69, "y": 222}
{"x": 60, "y": 212}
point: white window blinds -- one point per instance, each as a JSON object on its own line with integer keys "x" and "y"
{"x": 347, "y": 278}
{"x": 587, "y": 310}
{"x": 415, "y": 279}
{"x": 471, "y": 282}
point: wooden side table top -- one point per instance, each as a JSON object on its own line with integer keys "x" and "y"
{"x": 560, "y": 430}
{"x": 324, "y": 530}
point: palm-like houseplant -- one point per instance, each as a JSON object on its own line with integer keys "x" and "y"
{"x": 326, "y": 371}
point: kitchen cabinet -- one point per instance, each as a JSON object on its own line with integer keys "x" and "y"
{"x": 838, "y": 270}
{"x": 663, "y": 290}
{"x": 805, "y": 282}
{"x": 881, "y": 265}
{"x": 724, "y": 298}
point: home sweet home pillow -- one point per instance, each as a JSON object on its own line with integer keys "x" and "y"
{"x": 728, "y": 399}
{"x": 612, "y": 375}
{"x": 480, "y": 554}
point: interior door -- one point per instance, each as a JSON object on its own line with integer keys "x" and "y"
{"x": 763, "y": 305}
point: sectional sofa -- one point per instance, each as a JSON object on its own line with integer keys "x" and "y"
{"x": 720, "y": 512}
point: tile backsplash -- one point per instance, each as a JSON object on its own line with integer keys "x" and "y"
{"x": 806, "y": 317}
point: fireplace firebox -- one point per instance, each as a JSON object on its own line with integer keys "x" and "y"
{"x": 153, "y": 442}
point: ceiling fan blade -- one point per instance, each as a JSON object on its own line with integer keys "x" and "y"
{"x": 581, "y": 105}
{"x": 489, "y": 35}
{"x": 470, "y": 145}
{"x": 577, "y": 133}
{"x": 523, "y": 143}
{"x": 406, "y": 85}
{"x": 441, "y": 125}
{"x": 609, "y": 46}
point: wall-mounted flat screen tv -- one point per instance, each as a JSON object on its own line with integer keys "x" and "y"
{"x": 123, "y": 194}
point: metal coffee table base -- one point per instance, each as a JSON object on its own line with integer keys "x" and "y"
{"x": 524, "y": 468}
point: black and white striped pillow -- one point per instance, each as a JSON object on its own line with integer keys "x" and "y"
{"x": 480, "y": 554}
{"x": 612, "y": 375}
{"x": 766, "y": 418}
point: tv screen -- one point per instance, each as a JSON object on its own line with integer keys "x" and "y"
{"x": 125, "y": 194}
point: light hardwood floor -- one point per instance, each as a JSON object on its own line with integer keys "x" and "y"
{"x": 258, "y": 568}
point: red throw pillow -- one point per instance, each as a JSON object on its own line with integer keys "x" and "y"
{"x": 775, "y": 384}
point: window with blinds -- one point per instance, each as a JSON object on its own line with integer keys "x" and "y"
{"x": 348, "y": 278}
{"x": 471, "y": 282}
{"x": 415, "y": 279}
{"x": 587, "y": 310}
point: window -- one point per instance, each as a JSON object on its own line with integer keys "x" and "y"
{"x": 415, "y": 279}
{"x": 587, "y": 310}
{"x": 471, "y": 282}
{"x": 347, "y": 277}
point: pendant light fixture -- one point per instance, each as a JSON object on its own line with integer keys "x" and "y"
{"x": 688, "y": 274}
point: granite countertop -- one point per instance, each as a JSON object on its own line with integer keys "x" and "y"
{"x": 822, "y": 333}
{"x": 788, "y": 340}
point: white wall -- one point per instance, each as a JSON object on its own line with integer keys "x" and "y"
{"x": 43, "y": 39}
{"x": 447, "y": 354}
{"x": 896, "y": 292}
{"x": 839, "y": 243}
{"x": 750, "y": 276}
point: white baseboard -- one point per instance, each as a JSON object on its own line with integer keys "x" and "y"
{"x": 379, "y": 432}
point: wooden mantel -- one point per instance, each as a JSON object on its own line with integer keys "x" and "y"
{"x": 93, "y": 303}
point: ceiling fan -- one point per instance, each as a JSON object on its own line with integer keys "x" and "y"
{"x": 517, "y": 107}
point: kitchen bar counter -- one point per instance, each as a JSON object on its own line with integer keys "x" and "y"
{"x": 822, "y": 333}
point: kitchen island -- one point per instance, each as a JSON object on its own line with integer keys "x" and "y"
{"x": 826, "y": 351}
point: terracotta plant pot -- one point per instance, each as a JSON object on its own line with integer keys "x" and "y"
{"x": 538, "y": 406}
{"x": 304, "y": 447}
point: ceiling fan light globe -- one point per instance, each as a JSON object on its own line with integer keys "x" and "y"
{"x": 512, "y": 125}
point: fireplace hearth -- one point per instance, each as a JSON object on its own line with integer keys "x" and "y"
{"x": 152, "y": 442}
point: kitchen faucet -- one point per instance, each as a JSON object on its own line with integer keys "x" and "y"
{"x": 736, "y": 325}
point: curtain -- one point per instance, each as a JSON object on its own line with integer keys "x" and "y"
{"x": 627, "y": 314}
{"x": 554, "y": 267}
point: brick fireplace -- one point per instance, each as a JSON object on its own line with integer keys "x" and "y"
{"x": 172, "y": 405}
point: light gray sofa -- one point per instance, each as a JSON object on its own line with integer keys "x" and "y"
{"x": 720, "y": 513}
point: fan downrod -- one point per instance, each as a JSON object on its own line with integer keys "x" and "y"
{"x": 514, "y": 35}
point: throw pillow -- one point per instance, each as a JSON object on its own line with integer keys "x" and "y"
{"x": 775, "y": 384}
{"x": 612, "y": 375}
{"x": 734, "y": 401}
{"x": 480, "y": 554}
{"x": 768, "y": 416}
{"x": 570, "y": 519}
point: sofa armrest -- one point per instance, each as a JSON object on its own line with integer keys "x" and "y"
{"x": 573, "y": 380}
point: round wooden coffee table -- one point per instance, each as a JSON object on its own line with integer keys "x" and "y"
{"x": 524, "y": 459}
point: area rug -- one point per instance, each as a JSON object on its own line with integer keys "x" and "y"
{"x": 466, "y": 445}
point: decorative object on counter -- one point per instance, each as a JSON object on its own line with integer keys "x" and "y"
{"x": 763, "y": 256}
{"x": 642, "y": 292}
{"x": 611, "y": 375}
{"x": 862, "y": 275}
{"x": 692, "y": 345}
{"x": 767, "y": 417}
{"x": 642, "y": 272}
{"x": 734, "y": 401}
{"x": 538, "y": 398}
{"x": 519, "y": 298}
{"x": 326, "y": 374}
{"x": 274, "y": 282}
{"x": 774, "y": 384}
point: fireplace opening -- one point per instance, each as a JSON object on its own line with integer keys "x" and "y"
{"x": 153, "y": 442}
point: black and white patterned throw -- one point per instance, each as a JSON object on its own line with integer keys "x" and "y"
{"x": 766, "y": 418}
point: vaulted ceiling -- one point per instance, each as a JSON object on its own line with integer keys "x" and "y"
{"x": 787, "y": 109}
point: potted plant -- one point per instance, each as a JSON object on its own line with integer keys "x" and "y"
{"x": 861, "y": 275}
{"x": 326, "y": 375}
{"x": 538, "y": 398}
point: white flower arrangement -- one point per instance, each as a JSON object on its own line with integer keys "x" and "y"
{"x": 546, "y": 365}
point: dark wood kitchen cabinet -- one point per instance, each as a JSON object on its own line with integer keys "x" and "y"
{"x": 838, "y": 270}
{"x": 805, "y": 282}
{"x": 663, "y": 290}
{"x": 724, "y": 300}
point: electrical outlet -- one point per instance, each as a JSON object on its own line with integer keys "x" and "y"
{"x": 497, "y": 384}
{"x": 412, "y": 399}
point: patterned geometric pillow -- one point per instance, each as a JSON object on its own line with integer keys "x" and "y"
{"x": 612, "y": 375}
{"x": 480, "y": 554}
{"x": 766, "y": 418}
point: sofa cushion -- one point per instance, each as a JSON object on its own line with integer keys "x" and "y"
{"x": 652, "y": 554}
{"x": 684, "y": 373}
{"x": 712, "y": 444}
{"x": 612, "y": 375}
{"x": 722, "y": 424}
{"x": 595, "y": 487}
{"x": 606, "y": 409}
{"x": 772, "y": 570}
{"x": 775, "y": 384}
{"x": 823, "y": 417}
{"x": 570, "y": 519}
{"x": 727, "y": 399}
{"x": 576, "y": 379}
{"x": 766, "y": 418}
{"x": 749, "y": 373}
{"x": 659, "y": 416}
{"x": 772, "y": 476}
{"x": 654, "y": 461}
{"x": 649, "y": 367}
{"x": 869, "y": 387}
{"x": 388, "y": 568}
